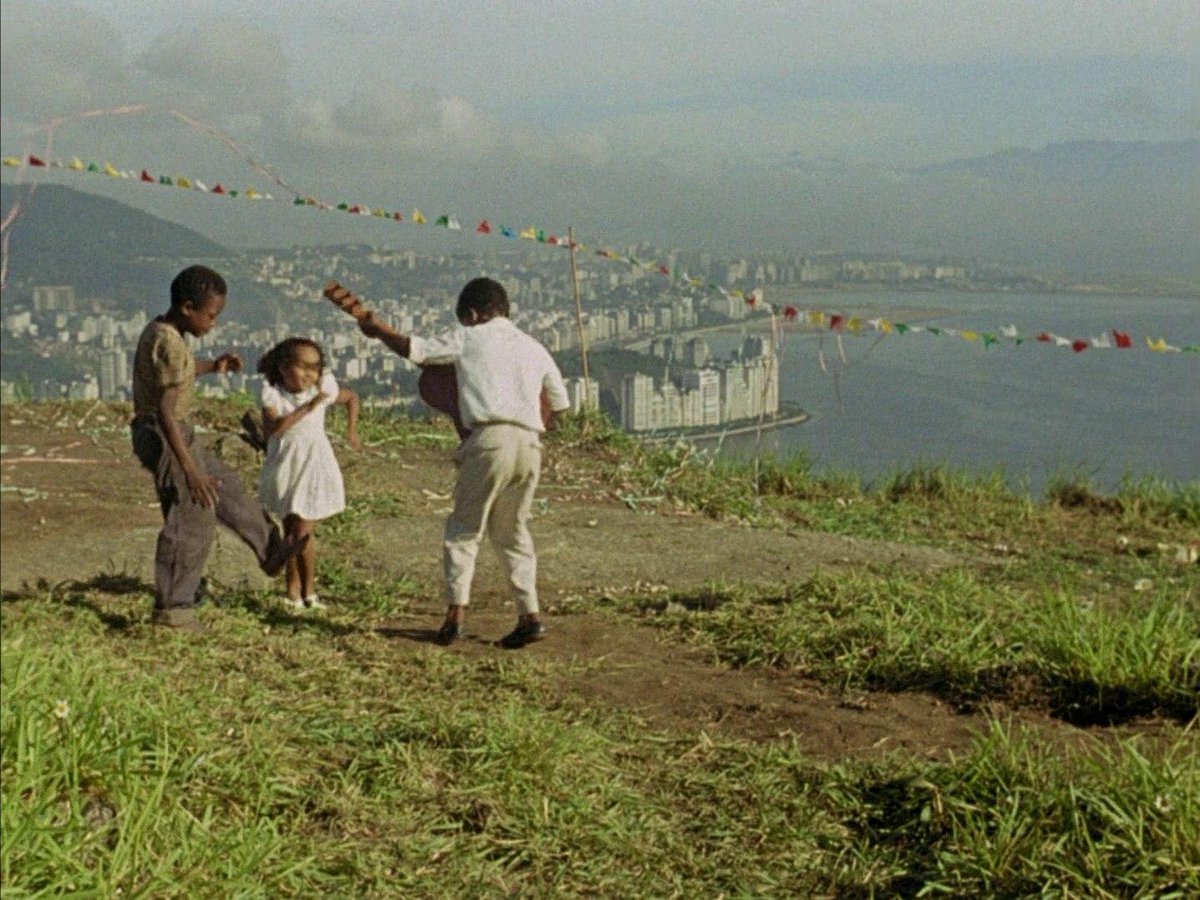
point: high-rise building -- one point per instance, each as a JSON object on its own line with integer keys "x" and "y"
{"x": 706, "y": 384}
{"x": 54, "y": 298}
{"x": 113, "y": 374}
{"x": 583, "y": 394}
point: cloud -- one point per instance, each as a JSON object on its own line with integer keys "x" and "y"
{"x": 384, "y": 122}
{"x": 57, "y": 60}
{"x": 223, "y": 70}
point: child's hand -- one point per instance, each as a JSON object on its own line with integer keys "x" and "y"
{"x": 227, "y": 362}
{"x": 202, "y": 487}
{"x": 370, "y": 326}
{"x": 353, "y": 440}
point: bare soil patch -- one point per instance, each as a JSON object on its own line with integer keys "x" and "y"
{"x": 76, "y": 505}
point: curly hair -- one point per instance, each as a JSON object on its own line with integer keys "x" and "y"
{"x": 284, "y": 352}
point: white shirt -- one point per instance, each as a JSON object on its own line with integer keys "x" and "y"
{"x": 501, "y": 372}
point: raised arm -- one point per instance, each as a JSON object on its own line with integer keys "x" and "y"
{"x": 374, "y": 327}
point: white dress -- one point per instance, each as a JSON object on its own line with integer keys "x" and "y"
{"x": 301, "y": 475}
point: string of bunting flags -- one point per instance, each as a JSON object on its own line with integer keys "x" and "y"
{"x": 820, "y": 320}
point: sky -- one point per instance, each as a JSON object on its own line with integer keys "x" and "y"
{"x": 684, "y": 118}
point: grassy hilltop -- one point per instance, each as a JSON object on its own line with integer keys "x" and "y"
{"x": 758, "y": 682}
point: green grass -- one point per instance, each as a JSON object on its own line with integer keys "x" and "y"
{"x": 278, "y": 756}
{"x": 924, "y": 504}
{"x": 959, "y": 637}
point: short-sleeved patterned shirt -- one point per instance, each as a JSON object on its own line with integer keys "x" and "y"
{"x": 163, "y": 360}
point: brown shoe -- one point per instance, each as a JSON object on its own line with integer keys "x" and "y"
{"x": 179, "y": 618}
{"x": 280, "y": 552}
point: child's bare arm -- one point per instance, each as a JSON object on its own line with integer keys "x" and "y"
{"x": 201, "y": 486}
{"x": 274, "y": 423}
{"x": 350, "y": 399}
{"x": 226, "y": 362}
{"x": 372, "y": 326}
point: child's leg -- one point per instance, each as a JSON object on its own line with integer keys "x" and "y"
{"x": 484, "y": 466}
{"x": 236, "y": 510}
{"x": 508, "y": 525}
{"x": 188, "y": 528}
{"x": 302, "y": 566}
{"x": 294, "y": 590}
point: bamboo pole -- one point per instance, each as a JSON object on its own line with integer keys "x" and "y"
{"x": 587, "y": 384}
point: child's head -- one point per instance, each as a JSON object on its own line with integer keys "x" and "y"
{"x": 197, "y": 299}
{"x": 296, "y": 363}
{"x": 481, "y": 299}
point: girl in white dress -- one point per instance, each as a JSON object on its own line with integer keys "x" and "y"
{"x": 301, "y": 482}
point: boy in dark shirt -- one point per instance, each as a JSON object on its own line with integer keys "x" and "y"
{"x": 195, "y": 490}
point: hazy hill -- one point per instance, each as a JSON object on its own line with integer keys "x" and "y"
{"x": 1086, "y": 207}
{"x": 101, "y": 246}
{"x": 1178, "y": 161}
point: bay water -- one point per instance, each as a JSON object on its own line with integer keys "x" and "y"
{"x": 1036, "y": 411}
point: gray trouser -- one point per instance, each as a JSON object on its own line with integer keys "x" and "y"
{"x": 189, "y": 528}
{"x": 499, "y": 466}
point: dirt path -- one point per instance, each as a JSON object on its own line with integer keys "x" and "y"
{"x": 75, "y": 505}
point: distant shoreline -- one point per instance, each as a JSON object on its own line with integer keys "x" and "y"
{"x": 782, "y": 420}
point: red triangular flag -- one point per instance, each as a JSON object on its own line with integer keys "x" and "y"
{"x": 790, "y": 312}
{"x": 484, "y": 227}
{"x": 36, "y": 161}
{"x": 218, "y": 189}
{"x": 1045, "y": 338}
{"x": 398, "y": 217}
{"x": 146, "y": 176}
{"x": 836, "y": 322}
{"x": 1122, "y": 338}
{"x": 664, "y": 270}
{"x": 1079, "y": 346}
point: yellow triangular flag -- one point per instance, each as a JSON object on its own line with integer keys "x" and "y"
{"x": 418, "y": 217}
{"x": 110, "y": 171}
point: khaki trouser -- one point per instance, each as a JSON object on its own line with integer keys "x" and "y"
{"x": 189, "y": 528}
{"x": 499, "y": 466}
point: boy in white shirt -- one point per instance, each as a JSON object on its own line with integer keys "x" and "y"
{"x": 501, "y": 373}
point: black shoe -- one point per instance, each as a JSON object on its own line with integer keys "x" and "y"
{"x": 525, "y": 633}
{"x": 283, "y": 549}
{"x": 450, "y": 632}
